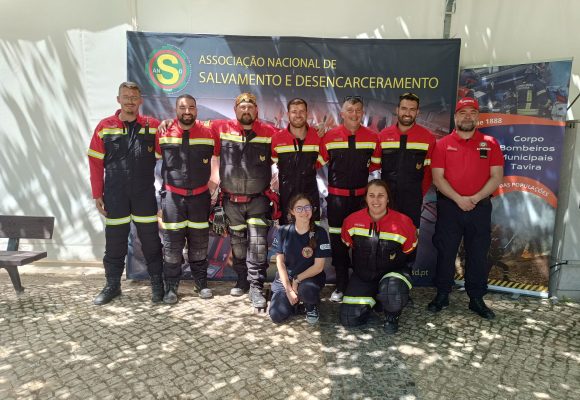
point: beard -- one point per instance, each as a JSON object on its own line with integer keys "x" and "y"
{"x": 406, "y": 122}
{"x": 187, "y": 119}
{"x": 298, "y": 125}
{"x": 246, "y": 119}
{"x": 466, "y": 126}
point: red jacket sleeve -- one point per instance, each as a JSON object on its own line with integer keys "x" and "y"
{"x": 344, "y": 234}
{"x": 214, "y": 128}
{"x": 323, "y": 153}
{"x": 410, "y": 233}
{"x": 376, "y": 156}
{"x": 96, "y": 155}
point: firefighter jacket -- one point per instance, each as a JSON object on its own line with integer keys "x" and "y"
{"x": 119, "y": 150}
{"x": 378, "y": 247}
{"x": 350, "y": 158}
{"x": 245, "y": 156}
{"x": 186, "y": 155}
{"x": 297, "y": 159}
{"x": 406, "y": 158}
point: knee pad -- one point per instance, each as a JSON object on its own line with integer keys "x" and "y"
{"x": 394, "y": 292}
{"x": 258, "y": 248}
{"x": 354, "y": 314}
{"x": 239, "y": 246}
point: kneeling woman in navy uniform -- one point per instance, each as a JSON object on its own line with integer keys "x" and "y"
{"x": 301, "y": 248}
{"x": 380, "y": 239}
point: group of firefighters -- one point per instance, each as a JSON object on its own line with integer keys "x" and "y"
{"x": 375, "y": 241}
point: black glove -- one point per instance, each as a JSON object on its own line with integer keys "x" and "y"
{"x": 220, "y": 221}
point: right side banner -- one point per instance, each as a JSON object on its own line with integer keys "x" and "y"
{"x": 524, "y": 107}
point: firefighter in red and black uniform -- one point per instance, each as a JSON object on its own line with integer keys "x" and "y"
{"x": 351, "y": 152}
{"x": 245, "y": 175}
{"x": 122, "y": 162}
{"x": 296, "y": 150}
{"x": 187, "y": 148}
{"x": 381, "y": 239}
{"x": 406, "y": 149}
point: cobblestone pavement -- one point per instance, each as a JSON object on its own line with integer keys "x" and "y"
{"x": 55, "y": 344}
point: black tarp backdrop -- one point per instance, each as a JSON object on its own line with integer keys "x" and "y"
{"x": 215, "y": 69}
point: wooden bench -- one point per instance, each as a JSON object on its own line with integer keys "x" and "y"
{"x": 18, "y": 227}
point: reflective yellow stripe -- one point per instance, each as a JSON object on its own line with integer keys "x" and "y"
{"x": 390, "y": 145}
{"x": 321, "y": 160}
{"x": 398, "y": 276}
{"x": 157, "y": 155}
{"x": 184, "y": 224}
{"x": 95, "y": 154}
{"x": 376, "y": 160}
{"x": 152, "y": 131}
{"x": 392, "y": 236}
{"x": 256, "y": 221}
{"x": 365, "y": 145}
{"x": 111, "y": 131}
{"x": 427, "y": 161}
{"x": 310, "y": 147}
{"x": 241, "y": 139}
{"x": 359, "y": 232}
{"x": 291, "y": 149}
{"x": 369, "y": 301}
{"x": 284, "y": 149}
{"x": 197, "y": 225}
{"x": 144, "y": 220}
{"x": 412, "y": 247}
{"x": 198, "y": 141}
{"x": 173, "y": 226}
{"x": 334, "y": 230}
{"x": 117, "y": 221}
{"x": 336, "y": 145}
{"x": 170, "y": 140}
{"x": 274, "y": 159}
{"x": 417, "y": 146}
{"x": 240, "y": 227}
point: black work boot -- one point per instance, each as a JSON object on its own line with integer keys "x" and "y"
{"x": 242, "y": 286}
{"x": 111, "y": 290}
{"x": 257, "y": 297}
{"x": 440, "y": 301}
{"x": 477, "y": 305}
{"x": 157, "y": 291}
{"x": 170, "y": 296}
{"x": 391, "y": 325}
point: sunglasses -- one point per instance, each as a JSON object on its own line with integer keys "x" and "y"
{"x": 300, "y": 209}
{"x": 409, "y": 95}
{"x": 353, "y": 99}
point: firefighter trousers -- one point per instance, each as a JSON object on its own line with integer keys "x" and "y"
{"x": 185, "y": 221}
{"x": 248, "y": 228}
{"x": 125, "y": 203}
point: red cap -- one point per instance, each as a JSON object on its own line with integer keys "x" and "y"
{"x": 467, "y": 102}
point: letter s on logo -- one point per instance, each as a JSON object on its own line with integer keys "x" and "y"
{"x": 162, "y": 62}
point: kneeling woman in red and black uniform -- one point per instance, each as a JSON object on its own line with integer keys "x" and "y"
{"x": 301, "y": 249}
{"x": 380, "y": 239}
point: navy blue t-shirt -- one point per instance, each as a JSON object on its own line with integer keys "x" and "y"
{"x": 297, "y": 255}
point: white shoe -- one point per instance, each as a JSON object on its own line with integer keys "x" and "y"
{"x": 205, "y": 293}
{"x": 336, "y": 296}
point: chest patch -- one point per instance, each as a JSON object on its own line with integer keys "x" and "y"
{"x": 307, "y": 252}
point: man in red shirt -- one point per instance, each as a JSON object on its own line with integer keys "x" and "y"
{"x": 467, "y": 168}
{"x": 351, "y": 151}
{"x": 406, "y": 149}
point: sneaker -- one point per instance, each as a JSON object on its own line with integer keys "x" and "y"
{"x": 205, "y": 293}
{"x": 257, "y": 297}
{"x": 312, "y": 315}
{"x": 336, "y": 296}
{"x": 242, "y": 286}
{"x": 201, "y": 288}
